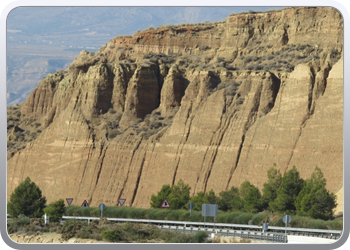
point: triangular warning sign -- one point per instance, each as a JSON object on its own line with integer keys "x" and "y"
{"x": 69, "y": 201}
{"x": 85, "y": 204}
{"x": 122, "y": 201}
{"x": 165, "y": 204}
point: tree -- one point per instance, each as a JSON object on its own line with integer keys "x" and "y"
{"x": 270, "y": 187}
{"x": 198, "y": 200}
{"x": 210, "y": 197}
{"x": 291, "y": 185}
{"x": 156, "y": 200}
{"x": 251, "y": 197}
{"x": 179, "y": 195}
{"x": 55, "y": 210}
{"x": 26, "y": 199}
{"x": 225, "y": 198}
{"x": 314, "y": 199}
{"x": 237, "y": 203}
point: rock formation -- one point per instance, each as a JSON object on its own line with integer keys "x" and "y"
{"x": 213, "y": 105}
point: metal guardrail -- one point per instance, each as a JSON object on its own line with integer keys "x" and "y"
{"x": 231, "y": 228}
{"x": 273, "y": 237}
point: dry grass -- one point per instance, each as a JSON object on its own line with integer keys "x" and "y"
{"x": 230, "y": 240}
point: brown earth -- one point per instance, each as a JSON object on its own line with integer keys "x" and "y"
{"x": 213, "y": 105}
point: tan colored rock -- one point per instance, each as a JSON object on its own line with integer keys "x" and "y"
{"x": 216, "y": 138}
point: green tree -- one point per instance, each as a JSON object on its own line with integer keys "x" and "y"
{"x": 237, "y": 203}
{"x": 26, "y": 199}
{"x": 291, "y": 186}
{"x": 179, "y": 195}
{"x": 270, "y": 187}
{"x": 55, "y": 210}
{"x": 251, "y": 197}
{"x": 210, "y": 197}
{"x": 198, "y": 200}
{"x": 225, "y": 198}
{"x": 314, "y": 200}
{"x": 156, "y": 200}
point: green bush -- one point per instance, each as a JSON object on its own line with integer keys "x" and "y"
{"x": 55, "y": 210}
{"x": 177, "y": 237}
{"x": 17, "y": 223}
{"x": 229, "y": 217}
{"x": 185, "y": 216}
{"x": 200, "y": 237}
{"x": 111, "y": 236}
{"x": 244, "y": 218}
{"x": 176, "y": 214}
{"x": 259, "y": 218}
{"x": 70, "y": 228}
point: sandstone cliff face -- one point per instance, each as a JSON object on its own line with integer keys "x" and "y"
{"x": 219, "y": 106}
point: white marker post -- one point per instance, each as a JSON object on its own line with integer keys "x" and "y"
{"x": 46, "y": 219}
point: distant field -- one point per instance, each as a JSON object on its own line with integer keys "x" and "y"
{"x": 27, "y": 64}
{"x": 41, "y": 50}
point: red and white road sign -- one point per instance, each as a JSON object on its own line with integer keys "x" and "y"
{"x": 165, "y": 204}
{"x": 85, "y": 204}
{"x": 69, "y": 201}
{"x": 122, "y": 201}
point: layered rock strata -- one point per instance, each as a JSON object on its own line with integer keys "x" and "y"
{"x": 213, "y": 105}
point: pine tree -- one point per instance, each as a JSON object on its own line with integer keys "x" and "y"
{"x": 314, "y": 200}
{"x": 270, "y": 187}
{"x": 225, "y": 198}
{"x": 291, "y": 185}
{"x": 198, "y": 200}
{"x": 156, "y": 200}
{"x": 26, "y": 199}
{"x": 179, "y": 195}
{"x": 250, "y": 196}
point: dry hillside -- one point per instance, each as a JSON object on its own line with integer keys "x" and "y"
{"x": 213, "y": 104}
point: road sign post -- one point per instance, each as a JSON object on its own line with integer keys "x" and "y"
{"x": 102, "y": 207}
{"x": 210, "y": 210}
{"x": 265, "y": 226}
{"x": 286, "y": 219}
{"x": 190, "y": 206}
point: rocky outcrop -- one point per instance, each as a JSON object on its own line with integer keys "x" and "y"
{"x": 213, "y": 105}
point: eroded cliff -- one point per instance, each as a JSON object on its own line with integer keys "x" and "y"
{"x": 213, "y": 105}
